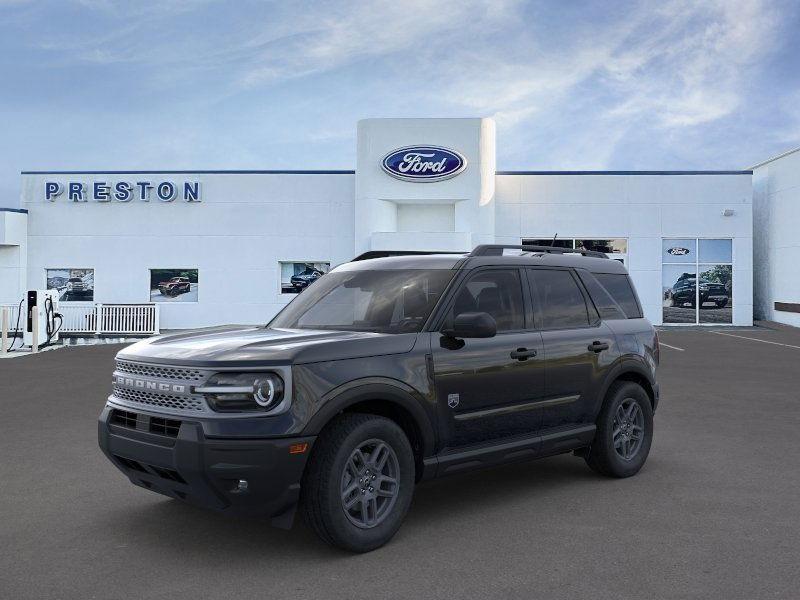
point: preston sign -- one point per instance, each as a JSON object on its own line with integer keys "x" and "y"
{"x": 123, "y": 191}
{"x": 423, "y": 163}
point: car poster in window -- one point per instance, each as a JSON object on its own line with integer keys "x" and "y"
{"x": 297, "y": 276}
{"x": 173, "y": 285}
{"x": 73, "y": 285}
{"x": 679, "y": 283}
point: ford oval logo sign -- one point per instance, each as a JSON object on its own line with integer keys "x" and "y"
{"x": 423, "y": 163}
{"x": 678, "y": 251}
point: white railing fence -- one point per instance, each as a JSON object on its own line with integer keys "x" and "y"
{"x": 78, "y": 318}
{"x": 12, "y": 316}
{"x": 99, "y": 318}
{"x": 128, "y": 318}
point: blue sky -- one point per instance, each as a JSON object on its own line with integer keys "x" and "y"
{"x": 195, "y": 84}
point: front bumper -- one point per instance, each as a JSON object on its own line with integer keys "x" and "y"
{"x": 181, "y": 462}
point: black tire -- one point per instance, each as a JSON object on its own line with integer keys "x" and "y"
{"x": 603, "y": 457}
{"x": 321, "y": 491}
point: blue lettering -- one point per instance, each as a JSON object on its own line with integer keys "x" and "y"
{"x": 144, "y": 190}
{"x": 191, "y": 191}
{"x": 52, "y": 189}
{"x": 123, "y": 191}
{"x": 166, "y": 191}
{"x": 102, "y": 192}
{"x": 76, "y": 192}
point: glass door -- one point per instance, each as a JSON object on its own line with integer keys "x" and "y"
{"x": 689, "y": 299}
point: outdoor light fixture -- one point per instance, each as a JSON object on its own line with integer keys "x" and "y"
{"x": 728, "y": 212}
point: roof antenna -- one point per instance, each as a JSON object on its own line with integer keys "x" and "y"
{"x": 553, "y": 243}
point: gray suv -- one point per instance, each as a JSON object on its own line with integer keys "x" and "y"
{"x": 385, "y": 372}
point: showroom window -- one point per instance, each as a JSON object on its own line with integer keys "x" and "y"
{"x": 697, "y": 281}
{"x": 615, "y": 248}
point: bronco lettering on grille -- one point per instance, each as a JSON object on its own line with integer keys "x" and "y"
{"x": 144, "y": 384}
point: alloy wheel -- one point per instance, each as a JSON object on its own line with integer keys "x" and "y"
{"x": 370, "y": 483}
{"x": 628, "y": 429}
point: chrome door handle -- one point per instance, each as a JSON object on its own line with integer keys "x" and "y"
{"x": 522, "y": 353}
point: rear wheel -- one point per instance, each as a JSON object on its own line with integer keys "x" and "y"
{"x": 359, "y": 482}
{"x": 624, "y": 432}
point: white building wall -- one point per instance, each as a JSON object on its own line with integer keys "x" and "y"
{"x": 236, "y": 236}
{"x": 776, "y": 197}
{"x": 248, "y": 222}
{"x": 13, "y": 255}
{"x": 642, "y": 208}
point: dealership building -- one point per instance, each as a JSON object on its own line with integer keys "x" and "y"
{"x": 213, "y": 247}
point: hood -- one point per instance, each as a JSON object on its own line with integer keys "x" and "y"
{"x": 251, "y": 346}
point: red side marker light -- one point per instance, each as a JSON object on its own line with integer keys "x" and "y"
{"x": 298, "y": 448}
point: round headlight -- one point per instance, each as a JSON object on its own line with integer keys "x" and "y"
{"x": 240, "y": 392}
{"x": 268, "y": 391}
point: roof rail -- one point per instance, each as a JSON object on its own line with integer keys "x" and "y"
{"x": 385, "y": 253}
{"x": 497, "y": 250}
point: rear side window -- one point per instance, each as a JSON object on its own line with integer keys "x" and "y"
{"x": 606, "y": 305}
{"x": 621, "y": 290}
{"x": 561, "y": 302}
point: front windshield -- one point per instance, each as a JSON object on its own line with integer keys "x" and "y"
{"x": 390, "y": 301}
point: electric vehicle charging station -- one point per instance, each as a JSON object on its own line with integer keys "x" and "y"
{"x": 42, "y": 321}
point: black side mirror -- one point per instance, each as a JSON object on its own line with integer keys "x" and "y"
{"x": 472, "y": 325}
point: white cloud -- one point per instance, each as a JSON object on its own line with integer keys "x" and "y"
{"x": 336, "y": 34}
{"x": 572, "y": 85}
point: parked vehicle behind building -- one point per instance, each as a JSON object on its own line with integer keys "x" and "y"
{"x": 386, "y": 372}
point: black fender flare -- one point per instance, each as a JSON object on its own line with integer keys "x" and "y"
{"x": 375, "y": 388}
{"x": 624, "y": 366}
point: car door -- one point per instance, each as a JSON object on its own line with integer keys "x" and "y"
{"x": 578, "y": 348}
{"x": 486, "y": 387}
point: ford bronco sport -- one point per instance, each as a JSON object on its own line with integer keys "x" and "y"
{"x": 175, "y": 286}
{"x": 388, "y": 371}
{"x": 305, "y": 278}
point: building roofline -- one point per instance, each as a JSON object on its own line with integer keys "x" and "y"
{"x": 197, "y": 172}
{"x": 348, "y": 172}
{"x": 781, "y": 155}
{"x": 742, "y": 172}
{"x": 24, "y": 211}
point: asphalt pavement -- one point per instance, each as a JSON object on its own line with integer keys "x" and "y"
{"x": 713, "y": 514}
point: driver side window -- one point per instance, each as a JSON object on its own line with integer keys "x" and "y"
{"x": 496, "y": 292}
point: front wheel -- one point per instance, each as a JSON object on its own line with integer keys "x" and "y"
{"x": 359, "y": 482}
{"x": 624, "y": 432}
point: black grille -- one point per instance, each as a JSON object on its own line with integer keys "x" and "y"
{"x": 167, "y": 474}
{"x": 130, "y": 464}
{"x": 123, "y": 418}
{"x": 161, "y": 426}
{"x": 162, "y": 472}
{"x": 158, "y": 425}
{"x": 124, "y": 366}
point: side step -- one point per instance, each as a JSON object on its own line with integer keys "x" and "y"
{"x": 527, "y": 448}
